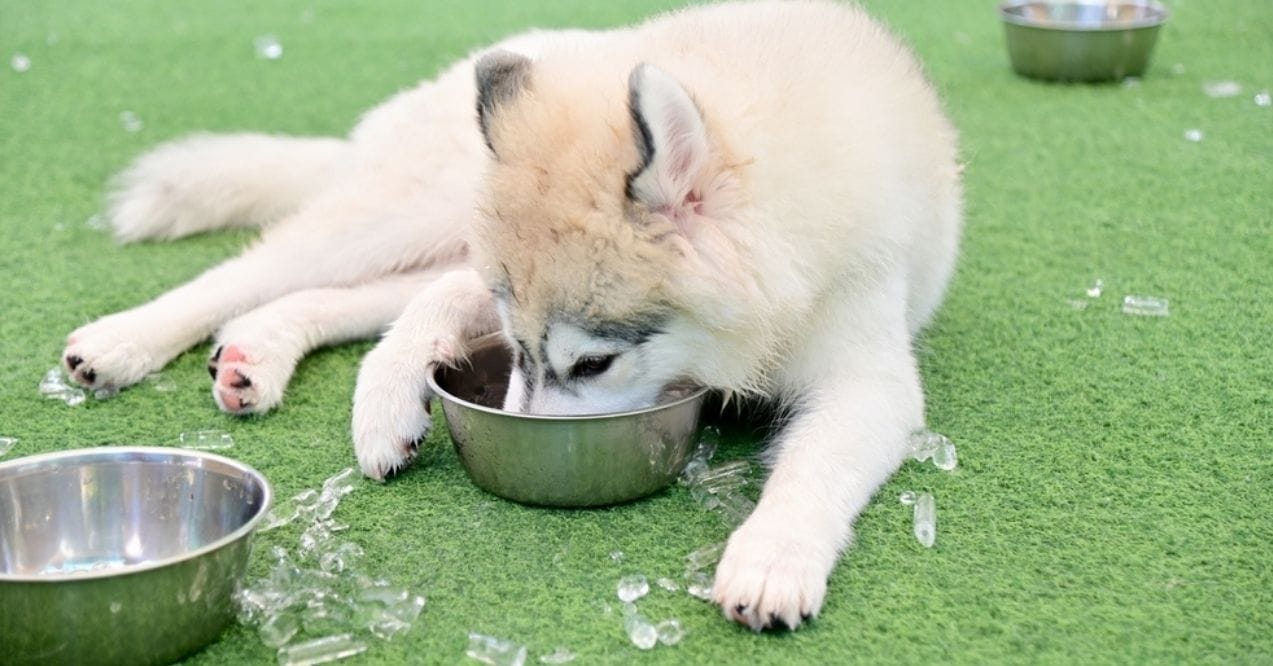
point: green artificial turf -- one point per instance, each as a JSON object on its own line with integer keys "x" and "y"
{"x": 1115, "y": 487}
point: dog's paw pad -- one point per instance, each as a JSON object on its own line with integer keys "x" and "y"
{"x": 246, "y": 383}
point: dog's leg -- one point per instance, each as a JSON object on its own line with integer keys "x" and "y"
{"x": 254, "y": 354}
{"x": 858, "y": 398}
{"x": 390, "y": 403}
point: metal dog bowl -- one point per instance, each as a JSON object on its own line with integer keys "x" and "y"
{"x": 566, "y": 461}
{"x": 1081, "y": 41}
{"x": 122, "y": 555}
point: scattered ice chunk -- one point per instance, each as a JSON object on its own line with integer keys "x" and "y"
{"x": 1221, "y": 89}
{"x": 1263, "y": 98}
{"x": 559, "y": 656}
{"x": 1131, "y": 82}
{"x": 641, "y": 632}
{"x": 205, "y": 440}
{"x": 20, "y": 62}
{"x": 106, "y": 393}
{"x": 693, "y": 469}
{"x": 116, "y": 607}
{"x": 945, "y": 457}
{"x": 320, "y": 650}
{"x": 924, "y": 443}
{"x": 278, "y": 516}
{"x": 1178, "y": 69}
{"x": 734, "y": 509}
{"x": 1076, "y": 303}
{"x": 926, "y": 520}
{"x": 54, "y": 386}
{"x": 699, "y": 584}
{"x": 1145, "y": 306}
{"x": 74, "y": 397}
{"x": 1194, "y": 135}
{"x": 278, "y": 629}
{"x": 6, "y": 444}
{"x": 1095, "y": 290}
{"x": 670, "y": 632}
{"x": 398, "y": 617}
{"x": 268, "y": 47}
{"x": 708, "y": 441}
{"x": 907, "y": 497}
{"x": 161, "y": 382}
{"x": 616, "y": 555}
{"x": 495, "y": 651}
{"x": 633, "y": 587}
{"x": 130, "y": 122}
{"x": 705, "y": 557}
{"x": 668, "y": 584}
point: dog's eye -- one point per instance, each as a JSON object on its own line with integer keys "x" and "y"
{"x": 591, "y": 366}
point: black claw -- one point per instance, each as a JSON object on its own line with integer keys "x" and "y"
{"x": 90, "y": 375}
{"x": 805, "y": 617}
{"x": 216, "y": 355}
{"x": 73, "y": 361}
{"x": 212, "y": 370}
{"x": 741, "y": 609}
{"x": 245, "y": 405}
{"x": 242, "y": 382}
{"x": 776, "y": 622}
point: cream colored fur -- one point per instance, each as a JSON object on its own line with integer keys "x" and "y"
{"x": 760, "y": 197}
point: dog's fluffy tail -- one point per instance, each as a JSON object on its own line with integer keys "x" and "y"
{"x": 207, "y": 182}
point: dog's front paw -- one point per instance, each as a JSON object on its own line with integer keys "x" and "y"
{"x": 391, "y": 413}
{"x": 772, "y": 576}
{"x": 108, "y": 353}
{"x": 247, "y": 381}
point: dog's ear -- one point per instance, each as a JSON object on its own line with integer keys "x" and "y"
{"x": 671, "y": 139}
{"x": 501, "y": 78}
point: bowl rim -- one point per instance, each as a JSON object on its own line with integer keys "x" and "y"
{"x": 138, "y": 453}
{"x": 490, "y": 340}
{"x": 1159, "y": 17}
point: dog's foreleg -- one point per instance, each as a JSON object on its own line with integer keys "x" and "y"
{"x": 254, "y": 354}
{"x": 391, "y": 399}
{"x": 856, "y": 397}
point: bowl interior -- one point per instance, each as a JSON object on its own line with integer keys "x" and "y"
{"x": 1084, "y": 15}
{"x": 106, "y": 510}
{"x": 483, "y": 380}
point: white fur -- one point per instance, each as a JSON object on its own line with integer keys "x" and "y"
{"x": 804, "y": 279}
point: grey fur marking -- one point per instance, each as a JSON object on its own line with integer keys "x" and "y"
{"x": 501, "y": 76}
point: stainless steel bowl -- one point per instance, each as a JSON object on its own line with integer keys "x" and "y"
{"x": 567, "y": 461}
{"x": 1081, "y": 41}
{"x": 122, "y": 555}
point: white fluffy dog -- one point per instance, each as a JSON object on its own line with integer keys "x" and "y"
{"x": 762, "y": 198}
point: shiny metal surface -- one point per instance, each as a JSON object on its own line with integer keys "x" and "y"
{"x": 567, "y": 461}
{"x": 122, "y": 555}
{"x": 1081, "y": 41}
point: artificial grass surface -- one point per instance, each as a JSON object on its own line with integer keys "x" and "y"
{"x": 1116, "y": 474}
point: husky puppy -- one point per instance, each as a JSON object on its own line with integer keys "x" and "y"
{"x": 762, "y": 198}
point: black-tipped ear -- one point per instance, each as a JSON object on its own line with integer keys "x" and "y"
{"x": 671, "y": 139}
{"x": 501, "y": 77}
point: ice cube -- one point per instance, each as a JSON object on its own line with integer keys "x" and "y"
{"x": 945, "y": 457}
{"x": 161, "y": 382}
{"x": 130, "y": 122}
{"x": 616, "y": 555}
{"x": 106, "y": 393}
{"x": 205, "y": 440}
{"x": 320, "y": 650}
{"x": 924, "y": 443}
{"x": 268, "y": 47}
{"x": 699, "y": 584}
{"x": 277, "y": 517}
{"x": 670, "y": 632}
{"x": 1221, "y": 89}
{"x": 495, "y": 651}
{"x": 278, "y": 629}
{"x": 6, "y": 444}
{"x": 1263, "y": 98}
{"x": 1145, "y": 306}
{"x": 20, "y": 62}
{"x": 559, "y": 656}
{"x": 341, "y": 483}
{"x": 668, "y": 584}
{"x": 641, "y": 632}
{"x": 705, "y": 557}
{"x": 53, "y": 383}
{"x": 926, "y": 520}
{"x": 907, "y": 497}
{"x": 74, "y": 397}
{"x": 734, "y": 509}
{"x": 1095, "y": 290}
{"x": 1194, "y": 135}
{"x": 633, "y": 587}
{"x": 398, "y": 617}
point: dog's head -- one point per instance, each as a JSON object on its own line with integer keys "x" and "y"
{"x": 598, "y": 233}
